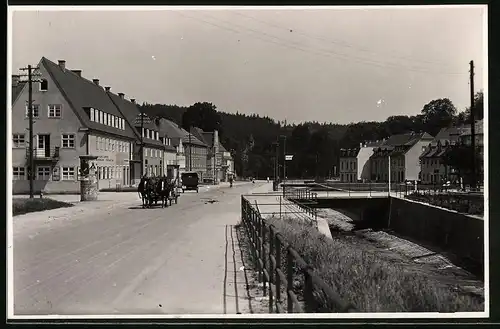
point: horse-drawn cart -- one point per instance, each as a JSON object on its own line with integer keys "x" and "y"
{"x": 156, "y": 189}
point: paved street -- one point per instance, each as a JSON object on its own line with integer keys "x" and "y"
{"x": 112, "y": 256}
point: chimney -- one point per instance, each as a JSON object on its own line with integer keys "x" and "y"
{"x": 107, "y": 89}
{"x": 62, "y": 64}
{"x": 77, "y": 72}
{"x": 122, "y": 95}
{"x": 15, "y": 80}
{"x": 132, "y": 100}
{"x": 96, "y": 81}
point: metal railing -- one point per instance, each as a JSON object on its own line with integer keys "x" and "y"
{"x": 280, "y": 267}
{"x": 44, "y": 153}
{"x": 463, "y": 202}
{"x": 295, "y": 194}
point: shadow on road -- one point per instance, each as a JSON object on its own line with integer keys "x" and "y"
{"x": 239, "y": 231}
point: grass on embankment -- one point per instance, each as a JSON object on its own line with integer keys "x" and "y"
{"x": 25, "y": 205}
{"x": 371, "y": 281}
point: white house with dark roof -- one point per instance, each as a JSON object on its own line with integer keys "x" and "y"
{"x": 403, "y": 150}
{"x": 363, "y": 160}
{"x": 73, "y": 117}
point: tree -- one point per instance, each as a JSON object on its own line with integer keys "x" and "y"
{"x": 202, "y": 115}
{"x": 459, "y": 158}
{"x": 464, "y": 116}
{"x": 399, "y": 124}
{"x": 438, "y": 114}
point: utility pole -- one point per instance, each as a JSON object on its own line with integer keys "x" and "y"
{"x": 142, "y": 143}
{"x": 472, "y": 126}
{"x": 31, "y": 167}
{"x": 276, "y": 163}
{"x": 284, "y": 158}
{"x": 190, "y": 147}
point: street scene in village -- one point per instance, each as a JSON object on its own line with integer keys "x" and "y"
{"x": 205, "y": 162}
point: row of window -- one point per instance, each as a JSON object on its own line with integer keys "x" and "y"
{"x": 195, "y": 150}
{"x": 433, "y": 178}
{"x": 67, "y": 140}
{"x": 53, "y": 111}
{"x": 151, "y": 134}
{"x": 351, "y": 178}
{"x": 107, "y": 119}
{"x": 154, "y": 153}
{"x": 44, "y": 173}
{"x": 430, "y": 162}
{"x": 112, "y": 172}
{"x": 113, "y": 145}
{"x": 70, "y": 173}
{"x": 344, "y": 165}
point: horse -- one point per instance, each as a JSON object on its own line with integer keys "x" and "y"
{"x": 141, "y": 190}
{"x": 163, "y": 190}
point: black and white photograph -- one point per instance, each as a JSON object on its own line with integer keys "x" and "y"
{"x": 247, "y": 162}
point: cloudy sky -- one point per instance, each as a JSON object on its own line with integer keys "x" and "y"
{"x": 333, "y": 65}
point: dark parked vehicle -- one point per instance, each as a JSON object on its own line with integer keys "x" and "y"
{"x": 189, "y": 181}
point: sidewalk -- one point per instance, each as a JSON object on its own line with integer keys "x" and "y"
{"x": 272, "y": 204}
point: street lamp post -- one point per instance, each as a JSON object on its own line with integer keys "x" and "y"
{"x": 389, "y": 175}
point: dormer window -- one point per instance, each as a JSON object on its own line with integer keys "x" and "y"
{"x": 44, "y": 85}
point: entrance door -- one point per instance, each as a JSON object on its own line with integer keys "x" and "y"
{"x": 43, "y": 146}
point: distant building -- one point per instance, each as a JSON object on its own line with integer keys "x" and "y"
{"x": 404, "y": 152}
{"x": 363, "y": 160}
{"x": 433, "y": 168}
{"x": 218, "y": 159}
{"x": 466, "y": 136}
{"x": 191, "y": 152}
{"x": 227, "y": 167}
{"x": 466, "y": 139}
{"x": 155, "y": 145}
{"x": 349, "y": 165}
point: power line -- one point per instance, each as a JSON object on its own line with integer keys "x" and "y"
{"x": 338, "y": 43}
{"x": 343, "y": 56}
{"x": 324, "y": 53}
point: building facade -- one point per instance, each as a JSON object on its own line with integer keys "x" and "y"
{"x": 403, "y": 151}
{"x": 72, "y": 116}
{"x": 149, "y": 141}
{"x": 349, "y": 165}
{"x": 363, "y": 160}
{"x": 191, "y": 152}
{"x": 433, "y": 168}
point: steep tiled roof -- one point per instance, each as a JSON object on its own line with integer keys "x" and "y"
{"x": 221, "y": 147}
{"x": 451, "y": 134}
{"x": 131, "y": 112}
{"x": 408, "y": 139}
{"x": 172, "y": 129}
{"x": 16, "y": 90}
{"x": 399, "y": 144}
{"x": 82, "y": 93}
{"x": 208, "y": 137}
{"x": 478, "y": 126}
